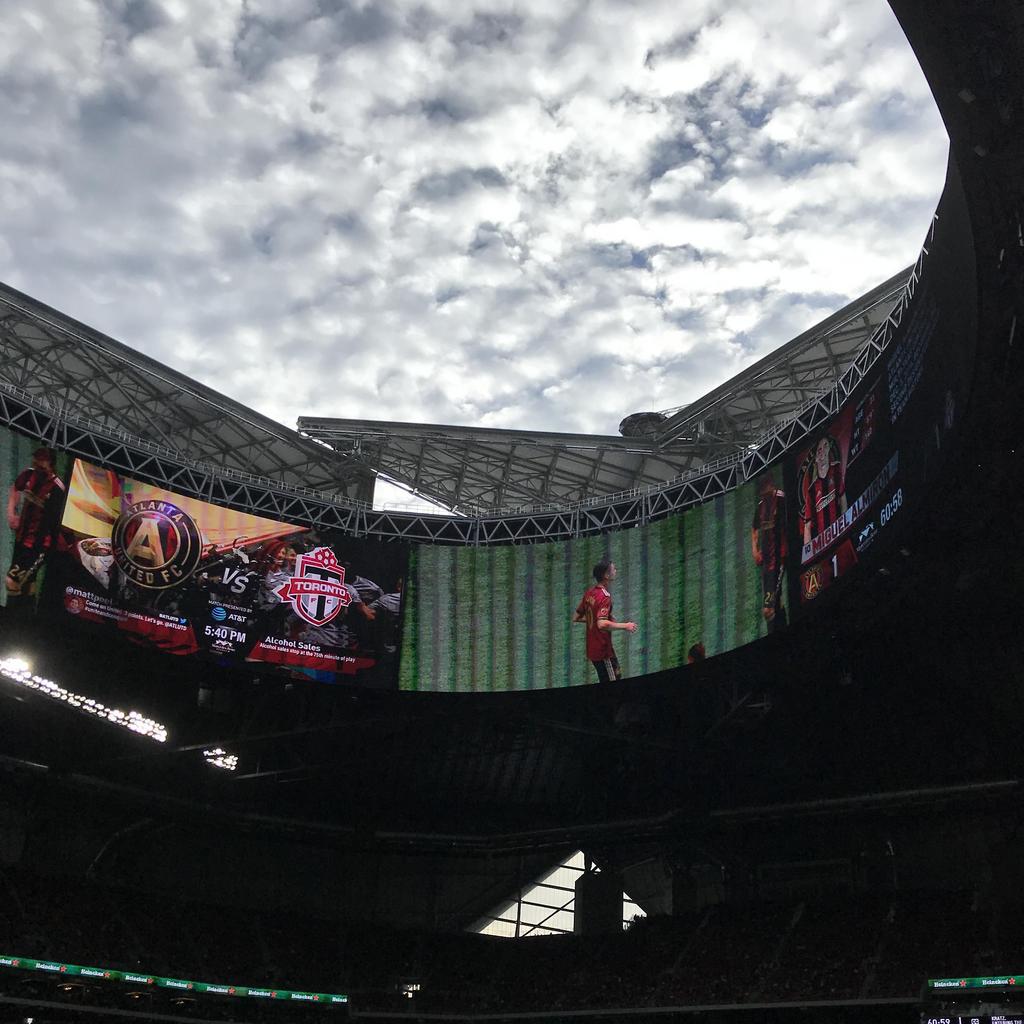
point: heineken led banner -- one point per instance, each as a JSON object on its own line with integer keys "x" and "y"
{"x": 281, "y": 995}
{"x": 192, "y": 578}
{"x": 992, "y": 981}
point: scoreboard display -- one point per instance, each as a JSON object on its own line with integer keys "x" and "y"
{"x": 974, "y": 1000}
{"x": 973, "y": 1018}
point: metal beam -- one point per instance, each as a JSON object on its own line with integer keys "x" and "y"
{"x": 95, "y": 398}
{"x": 479, "y": 470}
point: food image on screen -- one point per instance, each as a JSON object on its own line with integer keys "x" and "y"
{"x": 192, "y": 578}
{"x": 32, "y": 483}
{"x": 526, "y": 617}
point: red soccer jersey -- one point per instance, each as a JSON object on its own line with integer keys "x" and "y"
{"x": 597, "y": 605}
{"x": 821, "y": 500}
{"x": 770, "y": 524}
{"x": 42, "y": 494}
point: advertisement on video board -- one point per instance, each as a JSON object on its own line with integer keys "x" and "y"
{"x": 191, "y": 578}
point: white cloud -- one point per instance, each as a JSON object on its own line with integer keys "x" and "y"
{"x": 508, "y": 214}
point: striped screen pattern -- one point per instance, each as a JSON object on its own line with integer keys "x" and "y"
{"x": 499, "y": 618}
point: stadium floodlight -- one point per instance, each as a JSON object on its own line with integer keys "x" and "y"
{"x": 17, "y": 670}
{"x": 220, "y": 758}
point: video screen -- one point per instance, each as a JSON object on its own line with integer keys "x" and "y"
{"x": 728, "y": 571}
{"x": 842, "y": 475}
{"x": 195, "y": 579}
{"x": 860, "y": 472}
{"x": 524, "y": 617}
{"x": 953, "y": 1017}
{"x": 192, "y": 578}
{"x": 33, "y": 483}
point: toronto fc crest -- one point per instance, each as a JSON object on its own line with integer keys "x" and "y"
{"x": 317, "y": 591}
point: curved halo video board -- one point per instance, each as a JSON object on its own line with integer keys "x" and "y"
{"x": 194, "y": 579}
{"x": 728, "y": 571}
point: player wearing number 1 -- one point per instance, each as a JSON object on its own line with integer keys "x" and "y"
{"x": 596, "y": 611}
{"x": 823, "y": 489}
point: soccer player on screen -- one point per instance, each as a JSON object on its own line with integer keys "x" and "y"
{"x": 33, "y": 513}
{"x": 823, "y": 488}
{"x": 596, "y": 611}
{"x": 769, "y": 548}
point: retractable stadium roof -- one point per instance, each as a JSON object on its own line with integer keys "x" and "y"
{"x": 477, "y": 469}
{"x": 54, "y": 366}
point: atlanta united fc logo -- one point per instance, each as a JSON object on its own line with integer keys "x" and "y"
{"x": 317, "y": 591}
{"x": 156, "y": 544}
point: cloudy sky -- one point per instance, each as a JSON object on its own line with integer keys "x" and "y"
{"x": 496, "y": 212}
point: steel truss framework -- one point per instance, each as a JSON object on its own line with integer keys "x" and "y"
{"x": 63, "y": 361}
{"x": 770, "y": 392}
{"x": 483, "y": 472}
{"x": 82, "y": 377}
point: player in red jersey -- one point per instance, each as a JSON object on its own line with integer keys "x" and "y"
{"x": 596, "y": 611}
{"x": 33, "y": 512}
{"x": 769, "y": 548}
{"x": 823, "y": 488}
